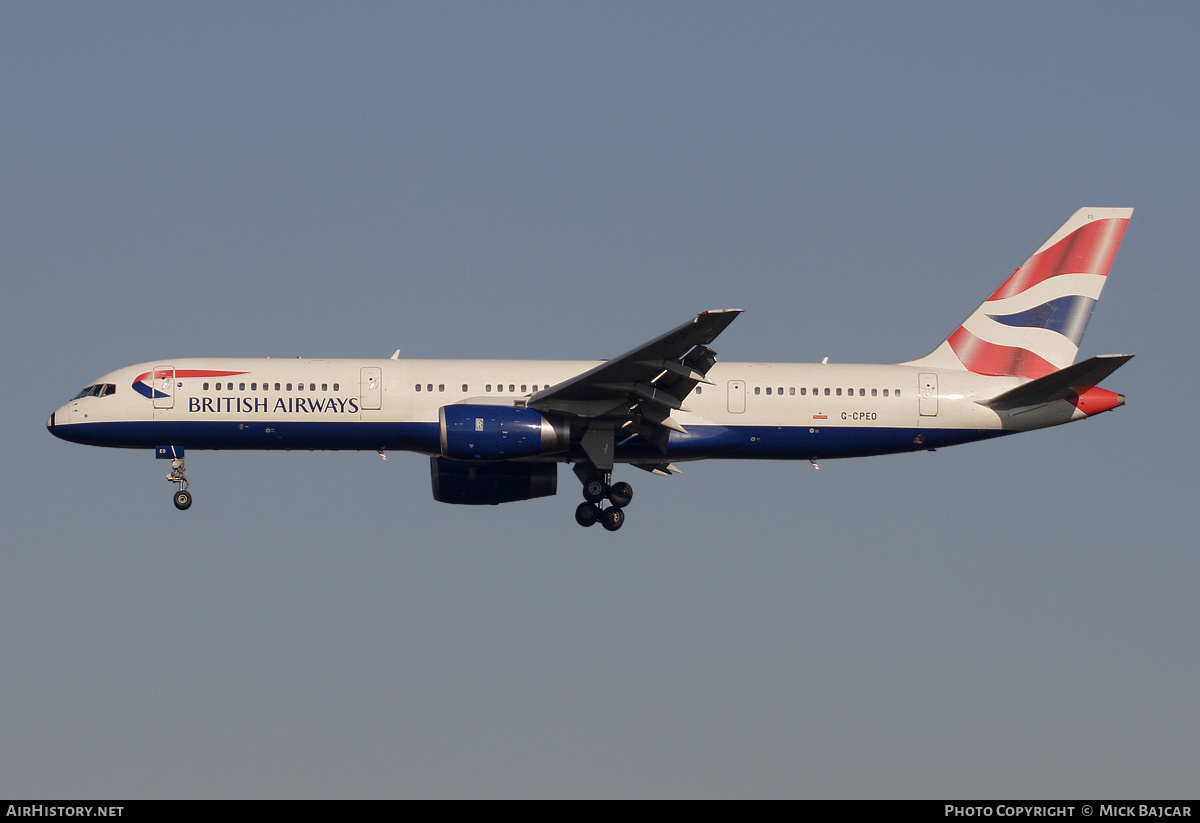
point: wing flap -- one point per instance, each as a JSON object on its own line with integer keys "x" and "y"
{"x": 639, "y": 390}
{"x": 643, "y": 363}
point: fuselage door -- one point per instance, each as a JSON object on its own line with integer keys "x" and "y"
{"x": 370, "y": 387}
{"x": 737, "y": 396}
{"x": 162, "y": 381}
{"x": 928, "y": 395}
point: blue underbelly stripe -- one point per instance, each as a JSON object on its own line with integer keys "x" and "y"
{"x": 730, "y": 442}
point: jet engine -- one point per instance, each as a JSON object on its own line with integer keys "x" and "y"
{"x": 471, "y": 432}
{"x": 476, "y": 484}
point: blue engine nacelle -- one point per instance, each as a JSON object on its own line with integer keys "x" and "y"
{"x": 498, "y": 433}
{"x": 477, "y": 484}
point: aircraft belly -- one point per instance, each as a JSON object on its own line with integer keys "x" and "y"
{"x": 799, "y": 442}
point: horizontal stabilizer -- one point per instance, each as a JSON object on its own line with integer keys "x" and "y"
{"x": 1059, "y": 385}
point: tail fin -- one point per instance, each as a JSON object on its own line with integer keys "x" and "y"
{"x": 1031, "y": 326}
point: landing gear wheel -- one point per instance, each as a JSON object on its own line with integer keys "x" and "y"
{"x": 621, "y": 494}
{"x": 586, "y": 514}
{"x": 183, "y": 499}
{"x": 594, "y": 490}
{"x": 612, "y": 518}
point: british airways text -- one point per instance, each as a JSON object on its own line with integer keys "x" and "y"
{"x": 287, "y": 405}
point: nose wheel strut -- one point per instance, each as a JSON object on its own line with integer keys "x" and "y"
{"x": 183, "y": 497}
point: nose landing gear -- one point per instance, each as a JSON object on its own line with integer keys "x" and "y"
{"x": 178, "y": 474}
{"x": 183, "y": 497}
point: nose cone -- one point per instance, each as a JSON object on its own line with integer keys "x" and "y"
{"x": 57, "y": 418}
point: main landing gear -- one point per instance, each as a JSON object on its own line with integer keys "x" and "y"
{"x": 596, "y": 489}
{"x": 183, "y": 497}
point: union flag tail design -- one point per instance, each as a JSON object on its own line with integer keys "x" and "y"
{"x": 1031, "y": 326}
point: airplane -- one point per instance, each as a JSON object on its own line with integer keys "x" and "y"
{"x": 496, "y": 430}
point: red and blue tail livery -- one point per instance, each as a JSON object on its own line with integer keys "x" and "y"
{"x": 1032, "y": 325}
{"x": 495, "y": 431}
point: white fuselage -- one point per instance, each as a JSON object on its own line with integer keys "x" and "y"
{"x": 750, "y": 410}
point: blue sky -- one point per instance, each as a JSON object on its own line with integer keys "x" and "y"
{"x": 523, "y": 180}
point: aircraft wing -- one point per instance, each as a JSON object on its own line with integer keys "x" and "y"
{"x": 641, "y": 388}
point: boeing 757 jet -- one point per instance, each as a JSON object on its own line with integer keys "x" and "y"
{"x": 496, "y": 430}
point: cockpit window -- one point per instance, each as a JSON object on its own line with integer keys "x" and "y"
{"x": 97, "y": 390}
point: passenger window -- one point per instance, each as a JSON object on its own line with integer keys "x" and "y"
{"x": 699, "y": 389}
{"x": 862, "y": 392}
{"x": 276, "y": 387}
{"x": 897, "y": 392}
{"x": 441, "y": 386}
{"x": 488, "y": 387}
{"x": 241, "y": 386}
{"x": 803, "y": 391}
{"x": 511, "y": 387}
{"x": 826, "y": 392}
{"x": 289, "y": 386}
{"x": 335, "y": 386}
{"x": 299, "y": 387}
{"x": 218, "y": 387}
{"x": 839, "y": 392}
{"x": 885, "y": 392}
{"x": 792, "y": 390}
{"x": 206, "y": 387}
{"x": 757, "y": 389}
{"x": 874, "y": 392}
{"x": 768, "y": 389}
{"x": 523, "y": 388}
{"x": 464, "y": 387}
